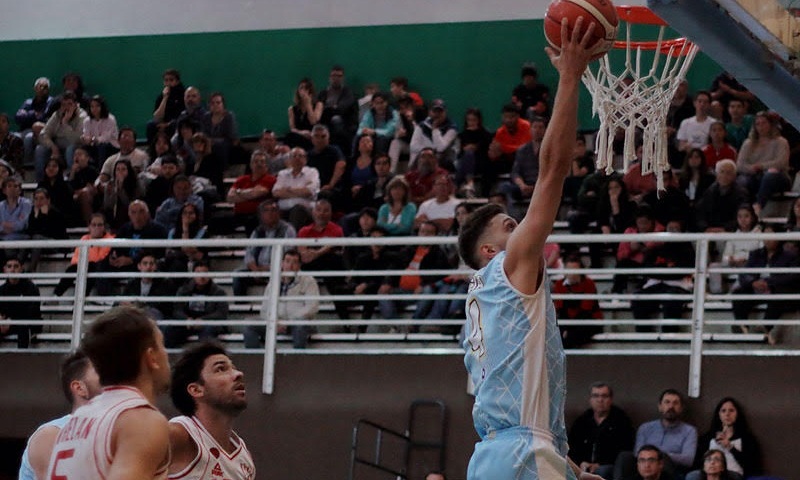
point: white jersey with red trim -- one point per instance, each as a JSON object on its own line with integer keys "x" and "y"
{"x": 212, "y": 461}
{"x": 83, "y": 446}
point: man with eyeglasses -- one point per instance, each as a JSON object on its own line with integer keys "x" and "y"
{"x": 600, "y": 433}
{"x": 650, "y": 464}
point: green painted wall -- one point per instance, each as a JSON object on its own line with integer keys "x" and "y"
{"x": 468, "y": 64}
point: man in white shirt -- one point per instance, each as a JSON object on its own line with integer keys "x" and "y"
{"x": 693, "y": 132}
{"x": 127, "y": 151}
{"x": 296, "y": 188}
{"x": 441, "y": 209}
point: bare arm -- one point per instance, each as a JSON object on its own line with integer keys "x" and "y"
{"x": 523, "y": 260}
{"x": 140, "y": 444}
{"x": 40, "y": 448}
{"x": 182, "y": 447}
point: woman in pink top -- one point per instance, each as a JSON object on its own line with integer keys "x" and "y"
{"x": 97, "y": 230}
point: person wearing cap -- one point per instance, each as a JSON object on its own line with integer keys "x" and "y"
{"x": 531, "y": 96}
{"x": 380, "y": 122}
{"x": 437, "y": 132}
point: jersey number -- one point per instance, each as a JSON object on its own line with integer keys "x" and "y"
{"x": 475, "y": 327}
{"x": 62, "y": 455}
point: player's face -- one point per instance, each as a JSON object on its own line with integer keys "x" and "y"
{"x": 223, "y": 385}
{"x": 499, "y": 230}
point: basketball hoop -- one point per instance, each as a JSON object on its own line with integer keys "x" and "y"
{"x": 639, "y": 96}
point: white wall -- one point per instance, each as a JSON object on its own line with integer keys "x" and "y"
{"x": 48, "y": 19}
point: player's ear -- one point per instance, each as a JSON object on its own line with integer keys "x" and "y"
{"x": 488, "y": 250}
{"x": 194, "y": 389}
{"x": 79, "y": 389}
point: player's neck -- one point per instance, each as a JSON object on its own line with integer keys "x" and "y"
{"x": 218, "y": 424}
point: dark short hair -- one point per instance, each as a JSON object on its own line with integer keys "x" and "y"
{"x": 368, "y": 211}
{"x": 172, "y": 73}
{"x": 115, "y": 342}
{"x": 511, "y": 108}
{"x": 73, "y": 367}
{"x": 382, "y": 95}
{"x": 472, "y": 231}
{"x": 69, "y": 95}
{"x": 670, "y": 391}
{"x": 266, "y": 203}
{"x": 703, "y": 92}
{"x": 379, "y": 229}
{"x": 529, "y": 69}
{"x": 200, "y": 263}
{"x": 601, "y": 384}
{"x": 402, "y": 81}
{"x": 170, "y": 159}
{"x": 650, "y": 448}
{"x": 126, "y": 128}
{"x": 149, "y": 253}
{"x": 43, "y": 191}
{"x": 187, "y": 370}
{"x": 292, "y": 252}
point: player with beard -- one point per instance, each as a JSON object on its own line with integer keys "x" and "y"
{"x": 210, "y": 393}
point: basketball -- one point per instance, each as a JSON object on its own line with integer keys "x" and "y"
{"x": 601, "y": 12}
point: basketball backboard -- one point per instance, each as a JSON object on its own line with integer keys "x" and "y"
{"x": 755, "y": 40}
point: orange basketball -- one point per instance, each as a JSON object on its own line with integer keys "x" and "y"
{"x": 601, "y": 12}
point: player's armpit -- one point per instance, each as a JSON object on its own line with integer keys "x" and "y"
{"x": 40, "y": 448}
{"x": 140, "y": 445}
{"x": 183, "y": 449}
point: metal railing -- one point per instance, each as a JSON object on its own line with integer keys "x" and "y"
{"x": 82, "y": 307}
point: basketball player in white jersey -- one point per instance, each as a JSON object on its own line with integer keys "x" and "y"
{"x": 514, "y": 353}
{"x": 210, "y": 393}
{"x": 79, "y": 383}
{"x": 119, "y": 434}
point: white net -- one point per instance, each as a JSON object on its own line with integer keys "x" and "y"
{"x": 637, "y": 99}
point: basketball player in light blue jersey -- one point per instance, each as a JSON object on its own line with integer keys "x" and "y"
{"x": 513, "y": 348}
{"x": 79, "y": 382}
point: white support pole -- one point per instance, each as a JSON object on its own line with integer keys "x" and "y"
{"x": 270, "y": 336}
{"x": 80, "y": 296}
{"x": 698, "y": 315}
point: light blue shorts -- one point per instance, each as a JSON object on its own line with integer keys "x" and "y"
{"x": 514, "y": 454}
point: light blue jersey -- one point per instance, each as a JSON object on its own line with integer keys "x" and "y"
{"x": 516, "y": 361}
{"x": 25, "y": 469}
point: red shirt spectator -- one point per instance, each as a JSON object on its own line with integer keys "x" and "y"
{"x": 511, "y": 139}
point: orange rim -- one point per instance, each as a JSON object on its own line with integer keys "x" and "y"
{"x": 679, "y": 46}
{"x": 639, "y": 15}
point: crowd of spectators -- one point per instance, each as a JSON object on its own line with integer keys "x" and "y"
{"x": 388, "y": 163}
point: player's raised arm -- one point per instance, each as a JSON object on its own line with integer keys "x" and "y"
{"x": 524, "y": 250}
{"x": 141, "y": 445}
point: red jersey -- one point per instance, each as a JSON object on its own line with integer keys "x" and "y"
{"x": 244, "y": 182}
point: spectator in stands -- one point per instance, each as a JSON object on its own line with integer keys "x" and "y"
{"x": 100, "y": 130}
{"x": 14, "y": 211}
{"x": 474, "y": 139}
{"x": 592, "y": 189}
{"x": 61, "y": 134}
{"x": 736, "y": 252}
{"x": 193, "y": 111}
{"x": 718, "y": 148}
{"x": 730, "y": 436}
{"x": 582, "y": 165}
{"x": 435, "y": 476}
{"x": 339, "y": 110}
{"x": 45, "y": 222}
{"x": 600, "y": 433}
{"x": 258, "y": 258}
{"x": 296, "y": 188}
{"x": 715, "y": 467}
{"x": 639, "y": 185}
{"x": 671, "y": 203}
{"x": 207, "y": 172}
{"x": 398, "y": 87}
{"x": 168, "y": 213}
{"x": 365, "y": 102}
{"x": 573, "y": 336}
{"x": 440, "y": 209}
{"x": 676, "y": 439}
{"x": 772, "y": 255}
{"x": 695, "y": 178}
{"x": 81, "y": 180}
{"x": 763, "y": 161}
{"x": 138, "y": 158}
{"x": 122, "y": 259}
{"x": 195, "y": 311}
{"x": 380, "y": 122}
{"x": 421, "y": 179}
{"x": 680, "y": 108}
{"x": 168, "y": 105}
{"x": 160, "y": 188}
{"x": 144, "y": 287}
{"x": 793, "y": 225}
{"x": 530, "y": 96}
{"x": 248, "y": 191}
{"x": 360, "y": 171}
{"x": 725, "y": 88}
{"x": 525, "y": 170}
{"x": 59, "y": 190}
{"x": 415, "y": 259}
{"x": 650, "y": 465}
{"x": 6, "y": 171}
{"x": 220, "y": 125}
{"x": 12, "y": 148}
{"x": 190, "y": 227}
{"x": 22, "y": 309}
{"x": 182, "y": 144}
{"x": 277, "y": 153}
{"x": 615, "y": 210}
{"x": 397, "y": 214}
{"x": 33, "y": 114}
{"x": 512, "y": 134}
{"x": 97, "y": 254}
{"x": 322, "y": 258}
{"x": 665, "y": 255}
{"x": 404, "y": 132}
{"x": 716, "y": 210}
{"x": 329, "y": 161}
{"x": 373, "y": 192}
{"x": 693, "y": 132}
{"x": 118, "y": 194}
{"x": 437, "y": 132}
{"x": 159, "y": 148}
{"x": 633, "y": 254}
{"x": 740, "y": 123}
{"x": 71, "y": 82}
{"x": 295, "y": 285}
{"x": 304, "y": 113}
{"x": 366, "y": 220}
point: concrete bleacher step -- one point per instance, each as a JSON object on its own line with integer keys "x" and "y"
{"x": 677, "y": 337}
